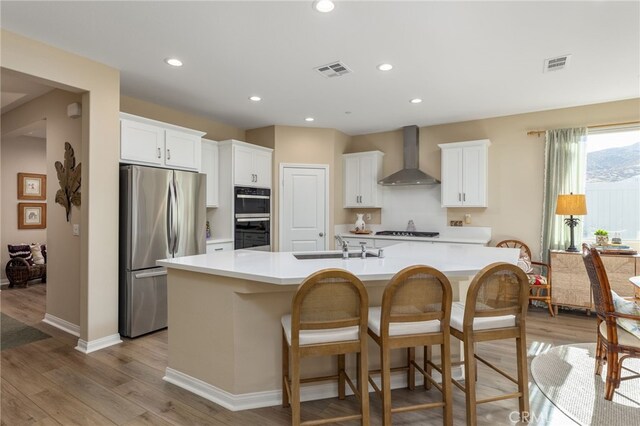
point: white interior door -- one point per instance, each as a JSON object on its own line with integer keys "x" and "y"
{"x": 303, "y": 208}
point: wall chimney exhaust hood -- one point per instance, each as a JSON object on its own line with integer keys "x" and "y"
{"x": 410, "y": 173}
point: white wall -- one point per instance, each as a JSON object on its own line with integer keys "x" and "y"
{"x": 21, "y": 154}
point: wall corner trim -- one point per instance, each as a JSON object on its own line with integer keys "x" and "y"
{"x": 95, "y": 345}
{"x": 61, "y": 324}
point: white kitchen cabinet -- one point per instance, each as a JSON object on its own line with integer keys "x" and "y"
{"x": 182, "y": 150}
{"x": 216, "y": 247}
{"x": 361, "y": 172}
{"x": 210, "y": 167}
{"x": 141, "y": 142}
{"x": 464, "y": 173}
{"x": 251, "y": 165}
{"x": 150, "y": 142}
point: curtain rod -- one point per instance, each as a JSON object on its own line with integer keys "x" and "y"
{"x": 597, "y": 126}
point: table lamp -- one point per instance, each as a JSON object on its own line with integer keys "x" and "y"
{"x": 571, "y": 204}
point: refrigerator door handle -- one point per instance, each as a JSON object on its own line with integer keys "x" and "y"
{"x": 176, "y": 227}
{"x": 171, "y": 216}
{"x": 150, "y": 274}
{"x": 169, "y": 220}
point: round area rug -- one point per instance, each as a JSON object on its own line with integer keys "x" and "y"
{"x": 565, "y": 374}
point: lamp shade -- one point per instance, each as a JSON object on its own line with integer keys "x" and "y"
{"x": 571, "y": 204}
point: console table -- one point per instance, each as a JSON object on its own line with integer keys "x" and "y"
{"x": 570, "y": 285}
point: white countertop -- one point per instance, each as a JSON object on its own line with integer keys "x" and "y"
{"x": 438, "y": 239}
{"x": 448, "y": 234}
{"x": 284, "y": 269}
{"x": 219, "y": 240}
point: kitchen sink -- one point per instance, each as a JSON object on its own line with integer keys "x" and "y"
{"x": 309, "y": 256}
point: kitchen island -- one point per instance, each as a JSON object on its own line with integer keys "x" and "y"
{"x": 224, "y": 314}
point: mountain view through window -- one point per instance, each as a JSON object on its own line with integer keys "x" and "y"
{"x": 613, "y": 184}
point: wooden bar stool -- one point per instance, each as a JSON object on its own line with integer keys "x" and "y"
{"x": 415, "y": 311}
{"x": 328, "y": 317}
{"x": 495, "y": 309}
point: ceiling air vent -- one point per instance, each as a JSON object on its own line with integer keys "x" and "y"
{"x": 334, "y": 69}
{"x": 557, "y": 63}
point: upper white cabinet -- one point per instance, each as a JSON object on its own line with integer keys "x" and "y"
{"x": 210, "y": 167}
{"x": 151, "y": 142}
{"x": 361, "y": 172}
{"x": 251, "y": 165}
{"x": 248, "y": 164}
{"x": 464, "y": 173}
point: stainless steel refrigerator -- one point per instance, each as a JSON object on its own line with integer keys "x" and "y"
{"x": 162, "y": 215}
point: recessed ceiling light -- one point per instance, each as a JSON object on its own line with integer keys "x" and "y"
{"x": 385, "y": 67}
{"x": 415, "y": 100}
{"x": 309, "y": 119}
{"x": 255, "y": 98}
{"x": 174, "y": 62}
{"x": 323, "y": 6}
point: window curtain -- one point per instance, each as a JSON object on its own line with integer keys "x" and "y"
{"x": 565, "y": 172}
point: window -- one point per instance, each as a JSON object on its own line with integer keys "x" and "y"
{"x": 613, "y": 183}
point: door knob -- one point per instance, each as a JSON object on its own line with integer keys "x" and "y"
{"x": 321, "y": 234}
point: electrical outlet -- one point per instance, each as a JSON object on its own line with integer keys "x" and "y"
{"x": 76, "y": 230}
{"x": 368, "y": 216}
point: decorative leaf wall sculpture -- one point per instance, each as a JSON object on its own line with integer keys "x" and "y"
{"x": 69, "y": 178}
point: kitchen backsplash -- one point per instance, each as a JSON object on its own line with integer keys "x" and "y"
{"x": 415, "y": 202}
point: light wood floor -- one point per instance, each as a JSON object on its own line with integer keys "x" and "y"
{"x": 50, "y": 383}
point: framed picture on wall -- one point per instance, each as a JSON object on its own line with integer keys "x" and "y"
{"x": 32, "y": 215}
{"x": 32, "y": 186}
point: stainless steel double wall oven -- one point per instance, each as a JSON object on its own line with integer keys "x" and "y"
{"x": 252, "y": 218}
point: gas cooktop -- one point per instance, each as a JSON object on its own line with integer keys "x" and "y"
{"x": 409, "y": 234}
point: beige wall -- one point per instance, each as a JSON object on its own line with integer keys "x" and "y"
{"x": 100, "y": 88}
{"x": 516, "y": 161}
{"x": 214, "y": 130}
{"x": 264, "y": 136}
{"x": 63, "y": 249}
{"x": 303, "y": 145}
{"x": 20, "y": 154}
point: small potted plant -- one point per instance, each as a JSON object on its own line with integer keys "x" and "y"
{"x": 602, "y": 237}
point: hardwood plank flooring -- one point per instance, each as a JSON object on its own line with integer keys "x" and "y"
{"x": 48, "y": 382}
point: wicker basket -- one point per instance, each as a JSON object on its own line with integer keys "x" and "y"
{"x": 19, "y": 272}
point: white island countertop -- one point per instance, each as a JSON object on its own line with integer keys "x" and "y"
{"x": 284, "y": 269}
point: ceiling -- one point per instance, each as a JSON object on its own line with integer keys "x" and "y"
{"x": 466, "y": 60}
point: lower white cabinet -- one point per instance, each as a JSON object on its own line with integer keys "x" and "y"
{"x": 376, "y": 243}
{"x": 215, "y": 247}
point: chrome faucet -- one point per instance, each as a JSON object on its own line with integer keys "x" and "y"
{"x": 344, "y": 245}
{"x": 363, "y": 245}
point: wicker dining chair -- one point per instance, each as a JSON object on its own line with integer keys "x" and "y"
{"x": 495, "y": 309}
{"x": 614, "y": 344}
{"x": 540, "y": 280}
{"x": 328, "y": 317}
{"x": 415, "y": 311}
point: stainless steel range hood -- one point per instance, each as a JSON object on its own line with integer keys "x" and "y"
{"x": 410, "y": 173}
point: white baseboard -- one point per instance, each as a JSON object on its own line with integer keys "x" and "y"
{"x": 271, "y": 398}
{"x": 94, "y": 345}
{"x": 4, "y": 282}
{"x": 61, "y": 324}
